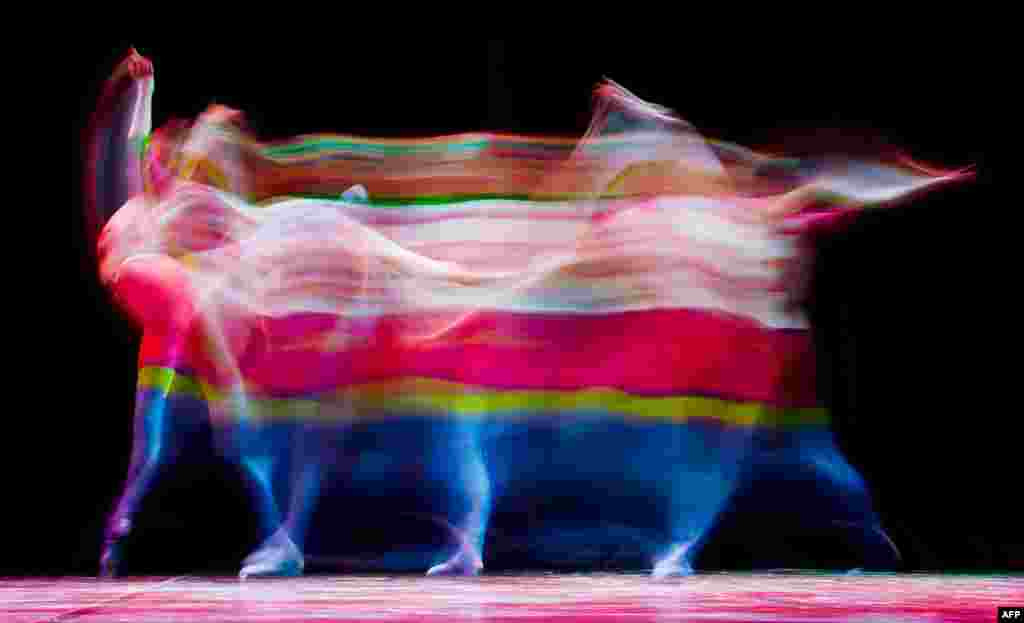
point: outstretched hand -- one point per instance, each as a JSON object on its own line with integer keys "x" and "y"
{"x": 134, "y": 66}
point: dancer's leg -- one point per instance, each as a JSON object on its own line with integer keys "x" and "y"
{"x": 471, "y": 485}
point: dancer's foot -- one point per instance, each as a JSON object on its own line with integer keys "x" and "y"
{"x": 675, "y": 564}
{"x": 277, "y": 557}
{"x": 465, "y": 563}
{"x": 110, "y": 559}
{"x": 113, "y": 544}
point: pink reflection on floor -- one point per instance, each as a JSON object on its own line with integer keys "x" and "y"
{"x": 540, "y": 598}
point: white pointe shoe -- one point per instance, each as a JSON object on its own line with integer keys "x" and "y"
{"x": 464, "y": 563}
{"x": 675, "y": 564}
{"x": 277, "y": 557}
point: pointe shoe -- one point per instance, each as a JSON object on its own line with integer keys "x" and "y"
{"x": 674, "y": 565}
{"x": 273, "y": 543}
{"x": 277, "y": 557}
{"x": 462, "y": 564}
{"x": 110, "y": 559}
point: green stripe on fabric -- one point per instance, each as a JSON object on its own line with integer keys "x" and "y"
{"x": 432, "y": 396}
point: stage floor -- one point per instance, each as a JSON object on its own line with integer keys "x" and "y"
{"x": 540, "y": 598}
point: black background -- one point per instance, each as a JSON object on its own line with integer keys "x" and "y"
{"x": 906, "y": 302}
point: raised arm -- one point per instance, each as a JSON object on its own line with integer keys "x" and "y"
{"x": 115, "y": 140}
